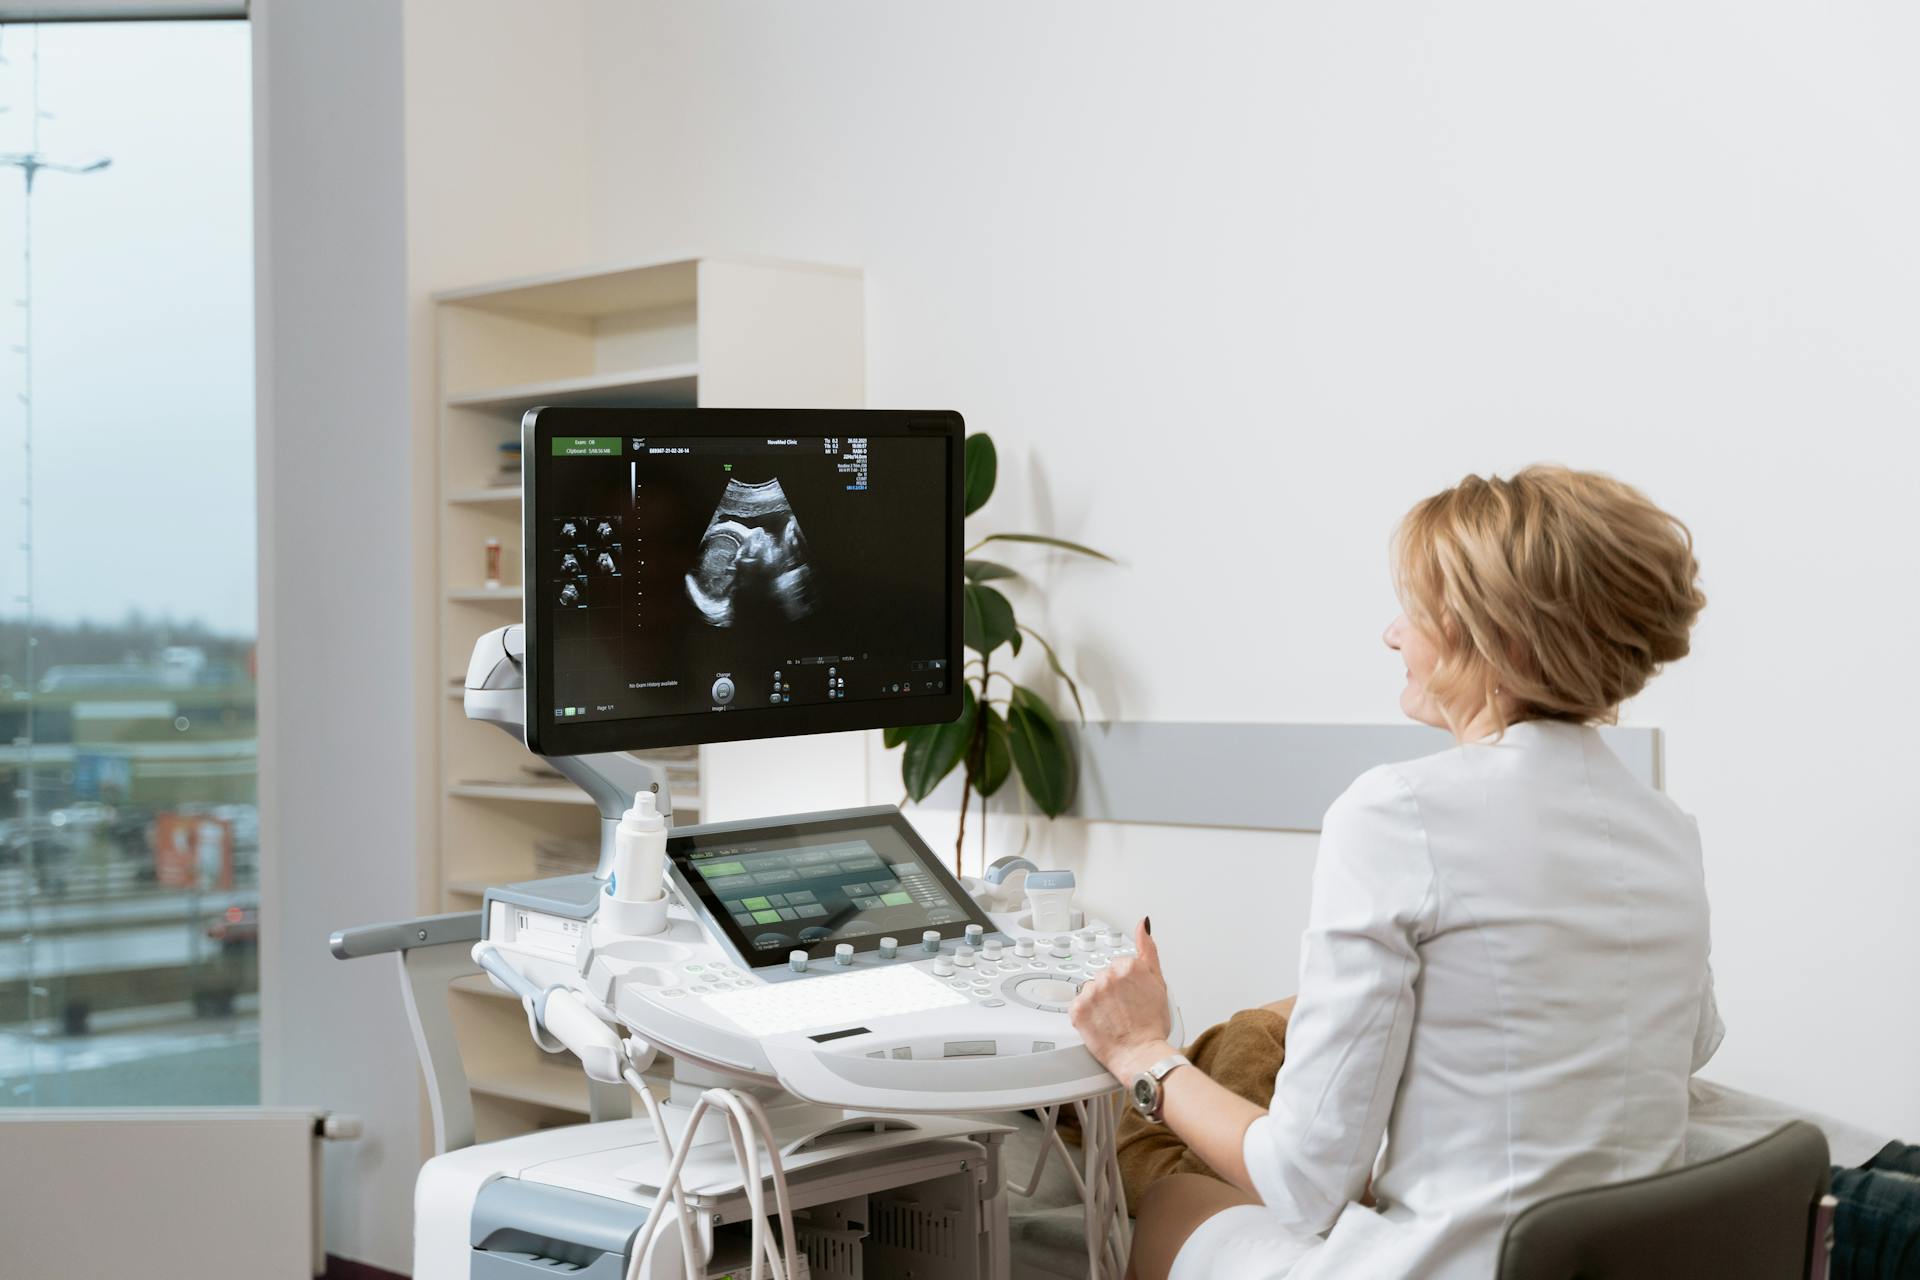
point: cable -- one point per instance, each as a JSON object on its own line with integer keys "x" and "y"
{"x": 669, "y": 1187}
{"x": 558, "y": 1019}
{"x": 541, "y": 1036}
{"x": 748, "y": 1131}
{"x": 782, "y": 1203}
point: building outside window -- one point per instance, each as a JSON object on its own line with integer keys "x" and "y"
{"x": 129, "y": 841}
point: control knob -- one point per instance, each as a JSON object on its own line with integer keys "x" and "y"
{"x": 797, "y": 961}
{"x": 930, "y": 940}
{"x": 889, "y": 948}
{"x": 843, "y": 954}
{"x": 1083, "y": 942}
{"x": 963, "y": 956}
{"x": 943, "y": 966}
{"x": 990, "y": 950}
{"x": 1062, "y": 948}
{"x": 974, "y": 933}
{"x": 1023, "y": 947}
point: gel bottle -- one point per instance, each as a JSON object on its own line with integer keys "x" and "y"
{"x": 636, "y": 903}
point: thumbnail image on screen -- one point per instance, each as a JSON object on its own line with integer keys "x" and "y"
{"x": 702, "y": 573}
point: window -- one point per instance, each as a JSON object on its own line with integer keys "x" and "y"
{"x": 129, "y": 842}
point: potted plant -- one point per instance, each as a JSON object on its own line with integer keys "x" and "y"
{"x": 1008, "y": 730}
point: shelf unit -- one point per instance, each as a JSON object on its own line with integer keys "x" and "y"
{"x": 685, "y": 331}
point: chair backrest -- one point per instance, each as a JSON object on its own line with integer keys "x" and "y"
{"x": 1753, "y": 1213}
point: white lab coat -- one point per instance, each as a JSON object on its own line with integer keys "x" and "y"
{"x": 1505, "y": 975}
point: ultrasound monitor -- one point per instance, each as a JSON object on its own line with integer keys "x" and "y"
{"x": 709, "y": 575}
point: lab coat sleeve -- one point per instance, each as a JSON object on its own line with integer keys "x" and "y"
{"x": 1710, "y": 1030}
{"x": 1706, "y": 1040}
{"x": 1374, "y": 898}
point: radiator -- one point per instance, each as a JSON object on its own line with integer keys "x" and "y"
{"x": 163, "y": 1192}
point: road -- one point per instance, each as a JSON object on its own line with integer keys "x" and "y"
{"x": 155, "y": 1056}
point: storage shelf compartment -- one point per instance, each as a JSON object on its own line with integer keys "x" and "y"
{"x": 545, "y": 793}
{"x": 476, "y": 985}
{"x": 489, "y": 496}
{"x": 529, "y": 792}
{"x": 503, "y": 1062}
{"x": 674, "y": 384}
{"x": 676, "y": 331}
{"x": 566, "y": 1090}
{"x": 496, "y": 1117}
{"x": 666, "y": 282}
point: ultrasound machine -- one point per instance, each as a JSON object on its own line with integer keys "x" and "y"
{"x": 818, "y": 1018}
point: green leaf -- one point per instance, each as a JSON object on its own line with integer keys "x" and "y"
{"x": 989, "y": 620}
{"x": 934, "y": 749}
{"x": 1043, "y": 540}
{"x": 991, "y": 771}
{"x": 982, "y": 469}
{"x": 987, "y": 571}
{"x": 895, "y": 736}
{"x": 1041, "y": 752}
{"x": 1053, "y": 660}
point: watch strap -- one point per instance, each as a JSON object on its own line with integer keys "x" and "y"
{"x": 1160, "y": 1069}
{"x": 1157, "y": 1073}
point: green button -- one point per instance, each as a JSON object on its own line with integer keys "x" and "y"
{"x": 767, "y": 917}
{"x": 586, "y": 446}
{"x": 755, "y": 904}
{"x": 723, "y": 869}
{"x": 896, "y": 899}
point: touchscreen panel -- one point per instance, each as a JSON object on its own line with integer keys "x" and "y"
{"x": 811, "y": 890}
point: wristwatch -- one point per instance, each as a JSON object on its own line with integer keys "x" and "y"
{"x": 1146, "y": 1091}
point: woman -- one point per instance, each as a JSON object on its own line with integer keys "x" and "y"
{"x": 1504, "y": 974}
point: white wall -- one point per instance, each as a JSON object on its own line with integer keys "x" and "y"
{"x": 1233, "y": 284}
{"x": 398, "y": 152}
{"x": 496, "y": 178}
{"x": 338, "y": 820}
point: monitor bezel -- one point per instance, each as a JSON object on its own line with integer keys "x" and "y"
{"x": 548, "y": 737}
{"x": 695, "y": 892}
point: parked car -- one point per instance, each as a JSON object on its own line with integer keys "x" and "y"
{"x": 236, "y": 928}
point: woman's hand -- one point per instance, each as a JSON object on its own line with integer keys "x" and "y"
{"x": 1122, "y": 1014}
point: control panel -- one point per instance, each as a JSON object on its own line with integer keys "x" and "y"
{"x": 989, "y": 970}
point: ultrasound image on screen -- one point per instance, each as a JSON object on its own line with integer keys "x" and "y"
{"x": 710, "y": 574}
{"x": 753, "y": 567}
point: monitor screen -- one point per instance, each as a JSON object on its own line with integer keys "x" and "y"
{"x": 706, "y": 575}
{"x": 813, "y": 884}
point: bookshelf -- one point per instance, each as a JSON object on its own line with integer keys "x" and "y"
{"x": 686, "y": 331}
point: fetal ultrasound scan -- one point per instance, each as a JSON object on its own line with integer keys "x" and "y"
{"x": 753, "y": 561}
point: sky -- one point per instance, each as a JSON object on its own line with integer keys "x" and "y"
{"x": 143, "y": 324}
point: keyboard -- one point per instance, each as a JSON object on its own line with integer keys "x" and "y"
{"x": 834, "y": 1001}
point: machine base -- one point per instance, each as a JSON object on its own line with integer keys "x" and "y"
{"x": 928, "y": 1202}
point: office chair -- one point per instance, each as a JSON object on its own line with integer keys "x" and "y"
{"x": 1761, "y": 1212}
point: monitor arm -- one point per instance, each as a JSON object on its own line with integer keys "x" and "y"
{"x": 496, "y": 694}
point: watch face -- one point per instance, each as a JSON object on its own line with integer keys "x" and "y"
{"x": 1144, "y": 1094}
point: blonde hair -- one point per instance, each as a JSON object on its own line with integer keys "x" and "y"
{"x": 1555, "y": 594}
